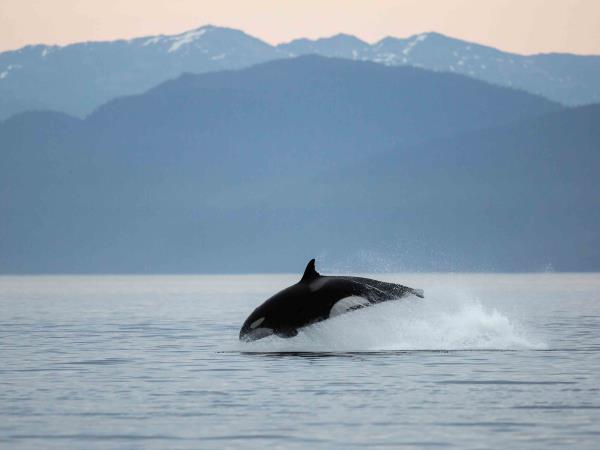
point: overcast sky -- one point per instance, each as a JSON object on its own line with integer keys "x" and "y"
{"x": 522, "y": 26}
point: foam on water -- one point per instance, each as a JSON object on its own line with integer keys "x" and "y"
{"x": 441, "y": 321}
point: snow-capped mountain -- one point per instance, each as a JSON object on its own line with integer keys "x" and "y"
{"x": 566, "y": 78}
{"x": 78, "y": 78}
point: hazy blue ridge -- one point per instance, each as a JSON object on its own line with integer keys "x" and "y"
{"x": 246, "y": 171}
{"x": 78, "y": 78}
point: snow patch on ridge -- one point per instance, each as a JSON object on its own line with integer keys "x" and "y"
{"x": 412, "y": 44}
{"x": 185, "y": 39}
{"x": 389, "y": 59}
{"x": 152, "y": 41}
{"x": 8, "y": 69}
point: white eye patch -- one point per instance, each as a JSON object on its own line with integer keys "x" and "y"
{"x": 257, "y": 322}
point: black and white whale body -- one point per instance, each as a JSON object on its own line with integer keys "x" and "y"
{"x": 315, "y": 298}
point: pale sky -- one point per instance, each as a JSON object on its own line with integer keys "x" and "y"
{"x": 521, "y": 26}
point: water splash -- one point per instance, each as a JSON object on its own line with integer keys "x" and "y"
{"x": 439, "y": 322}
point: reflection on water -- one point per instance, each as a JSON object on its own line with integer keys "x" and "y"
{"x": 484, "y": 361}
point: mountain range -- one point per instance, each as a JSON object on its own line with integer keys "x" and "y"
{"x": 78, "y": 78}
{"x": 252, "y": 170}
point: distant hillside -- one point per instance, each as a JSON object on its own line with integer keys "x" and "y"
{"x": 245, "y": 170}
{"x": 78, "y": 78}
{"x": 518, "y": 197}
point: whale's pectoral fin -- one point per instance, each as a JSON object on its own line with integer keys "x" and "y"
{"x": 286, "y": 333}
{"x": 418, "y": 292}
{"x": 348, "y": 304}
{"x": 310, "y": 273}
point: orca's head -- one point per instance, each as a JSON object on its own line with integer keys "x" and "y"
{"x": 274, "y": 316}
{"x": 277, "y": 315}
{"x": 256, "y": 326}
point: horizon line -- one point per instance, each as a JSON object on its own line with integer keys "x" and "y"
{"x": 226, "y": 274}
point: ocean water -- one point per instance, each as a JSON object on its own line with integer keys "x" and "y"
{"x": 153, "y": 362}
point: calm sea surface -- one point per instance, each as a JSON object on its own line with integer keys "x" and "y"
{"x": 153, "y": 362}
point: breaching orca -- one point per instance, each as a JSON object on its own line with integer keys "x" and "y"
{"x": 315, "y": 298}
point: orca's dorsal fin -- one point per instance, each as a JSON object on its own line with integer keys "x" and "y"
{"x": 310, "y": 273}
